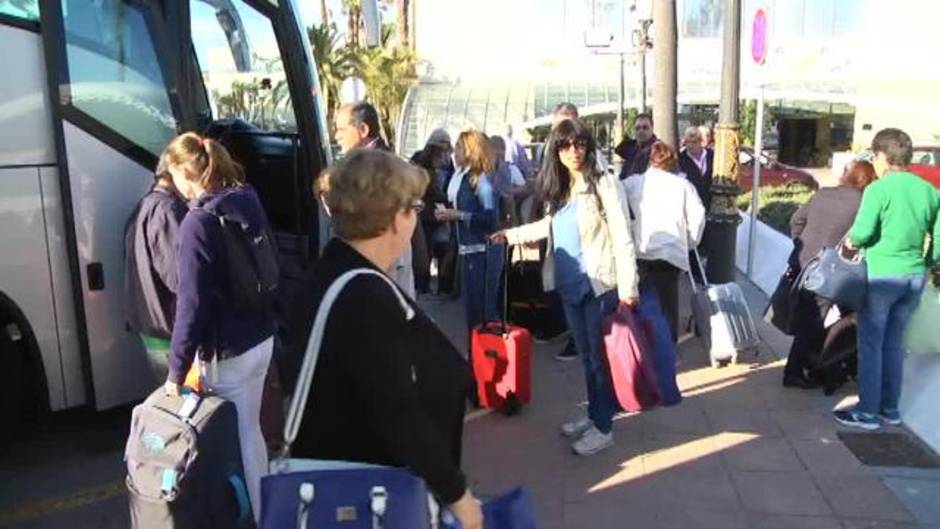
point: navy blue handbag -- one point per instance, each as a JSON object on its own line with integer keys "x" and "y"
{"x": 512, "y": 510}
{"x": 314, "y": 494}
{"x": 839, "y": 279}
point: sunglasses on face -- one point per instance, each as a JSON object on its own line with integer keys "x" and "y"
{"x": 580, "y": 145}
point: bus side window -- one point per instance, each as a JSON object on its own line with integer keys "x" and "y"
{"x": 23, "y": 9}
{"x": 241, "y": 65}
{"x": 114, "y": 73}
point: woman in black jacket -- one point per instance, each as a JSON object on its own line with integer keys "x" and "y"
{"x": 210, "y": 326}
{"x": 822, "y": 222}
{"x": 388, "y": 389}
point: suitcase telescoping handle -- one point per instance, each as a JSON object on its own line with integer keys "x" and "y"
{"x": 701, "y": 269}
{"x": 504, "y": 313}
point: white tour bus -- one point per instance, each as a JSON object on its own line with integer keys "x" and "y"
{"x": 91, "y": 92}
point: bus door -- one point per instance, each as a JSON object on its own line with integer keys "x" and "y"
{"x": 256, "y": 74}
{"x": 113, "y": 115}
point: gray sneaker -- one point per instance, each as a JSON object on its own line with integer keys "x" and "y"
{"x": 592, "y": 442}
{"x": 574, "y": 429}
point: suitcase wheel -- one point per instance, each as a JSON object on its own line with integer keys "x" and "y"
{"x": 511, "y": 405}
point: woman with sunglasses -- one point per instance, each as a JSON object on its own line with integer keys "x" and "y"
{"x": 590, "y": 263}
{"x": 475, "y": 210}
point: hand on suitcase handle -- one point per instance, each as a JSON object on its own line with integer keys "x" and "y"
{"x": 499, "y": 237}
{"x": 171, "y": 388}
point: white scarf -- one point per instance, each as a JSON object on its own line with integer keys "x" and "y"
{"x": 454, "y": 186}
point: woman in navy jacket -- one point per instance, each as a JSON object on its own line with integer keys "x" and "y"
{"x": 475, "y": 210}
{"x": 233, "y": 344}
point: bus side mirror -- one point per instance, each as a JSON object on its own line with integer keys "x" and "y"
{"x": 373, "y": 26}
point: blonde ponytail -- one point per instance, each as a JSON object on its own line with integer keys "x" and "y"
{"x": 207, "y": 157}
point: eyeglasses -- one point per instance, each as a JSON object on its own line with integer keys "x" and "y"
{"x": 417, "y": 205}
{"x": 564, "y": 145}
{"x": 641, "y": 127}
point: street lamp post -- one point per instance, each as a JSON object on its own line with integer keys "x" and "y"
{"x": 723, "y": 218}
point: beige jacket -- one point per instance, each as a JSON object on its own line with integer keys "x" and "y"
{"x": 606, "y": 246}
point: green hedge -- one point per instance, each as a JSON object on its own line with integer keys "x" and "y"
{"x": 777, "y": 204}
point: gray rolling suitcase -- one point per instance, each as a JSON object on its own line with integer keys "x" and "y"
{"x": 721, "y": 315}
{"x": 184, "y": 465}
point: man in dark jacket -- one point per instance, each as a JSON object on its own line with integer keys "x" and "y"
{"x": 696, "y": 161}
{"x": 635, "y": 151}
{"x": 357, "y": 127}
{"x": 151, "y": 243}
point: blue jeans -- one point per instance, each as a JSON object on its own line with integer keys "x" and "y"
{"x": 881, "y": 324}
{"x": 585, "y": 319}
{"x": 474, "y": 285}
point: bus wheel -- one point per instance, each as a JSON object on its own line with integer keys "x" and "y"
{"x": 14, "y": 389}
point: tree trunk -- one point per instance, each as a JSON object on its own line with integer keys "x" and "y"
{"x": 353, "y": 26}
{"x": 665, "y": 60}
{"x": 402, "y": 24}
{"x": 324, "y": 14}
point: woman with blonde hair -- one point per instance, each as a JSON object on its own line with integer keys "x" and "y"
{"x": 590, "y": 262}
{"x": 235, "y": 339}
{"x": 475, "y": 209}
{"x": 388, "y": 387}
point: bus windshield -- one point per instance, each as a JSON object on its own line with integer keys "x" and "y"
{"x": 241, "y": 64}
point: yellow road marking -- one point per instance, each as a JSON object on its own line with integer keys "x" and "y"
{"x": 43, "y": 508}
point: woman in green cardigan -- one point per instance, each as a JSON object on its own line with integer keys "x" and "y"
{"x": 897, "y": 218}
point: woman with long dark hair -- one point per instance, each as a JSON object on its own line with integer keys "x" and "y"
{"x": 590, "y": 262}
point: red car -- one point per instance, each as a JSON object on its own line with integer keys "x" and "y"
{"x": 926, "y": 164}
{"x": 772, "y": 173}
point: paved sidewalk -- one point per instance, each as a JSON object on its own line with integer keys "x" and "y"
{"x": 740, "y": 451}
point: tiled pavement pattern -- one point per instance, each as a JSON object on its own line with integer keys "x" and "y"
{"x": 740, "y": 451}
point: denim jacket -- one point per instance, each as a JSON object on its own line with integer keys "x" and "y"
{"x": 480, "y": 211}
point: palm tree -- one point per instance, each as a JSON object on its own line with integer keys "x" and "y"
{"x": 402, "y": 23}
{"x": 324, "y": 14}
{"x": 334, "y": 63}
{"x": 353, "y": 22}
{"x": 388, "y": 72}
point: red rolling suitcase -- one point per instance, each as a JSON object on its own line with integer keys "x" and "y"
{"x": 502, "y": 362}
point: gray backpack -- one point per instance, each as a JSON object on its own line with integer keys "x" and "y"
{"x": 184, "y": 465}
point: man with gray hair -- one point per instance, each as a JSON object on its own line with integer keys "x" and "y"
{"x": 357, "y": 127}
{"x": 696, "y": 161}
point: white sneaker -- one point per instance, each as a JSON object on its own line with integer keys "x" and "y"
{"x": 574, "y": 429}
{"x": 592, "y": 442}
